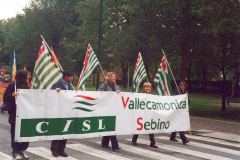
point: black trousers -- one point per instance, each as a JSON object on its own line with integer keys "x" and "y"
{"x": 58, "y": 145}
{"x": 16, "y": 146}
{"x": 182, "y": 136}
{"x": 151, "y": 137}
{"x": 106, "y": 139}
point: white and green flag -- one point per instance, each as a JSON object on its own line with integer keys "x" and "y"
{"x": 162, "y": 80}
{"x": 139, "y": 75}
{"x": 89, "y": 65}
{"x": 46, "y": 72}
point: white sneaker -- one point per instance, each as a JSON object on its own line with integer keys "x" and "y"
{"x": 17, "y": 156}
{"x": 24, "y": 154}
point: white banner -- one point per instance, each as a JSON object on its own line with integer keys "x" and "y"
{"x": 48, "y": 115}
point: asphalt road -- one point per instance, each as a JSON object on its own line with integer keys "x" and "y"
{"x": 90, "y": 149}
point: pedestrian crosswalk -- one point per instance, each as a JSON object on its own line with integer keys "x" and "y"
{"x": 198, "y": 148}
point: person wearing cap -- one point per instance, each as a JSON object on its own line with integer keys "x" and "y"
{"x": 58, "y": 146}
{"x": 2, "y": 74}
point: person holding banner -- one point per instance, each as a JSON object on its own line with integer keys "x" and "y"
{"x": 110, "y": 85}
{"x": 58, "y": 146}
{"x": 147, "y": 87}
{"x": 182, "y": 90}
{"x": 18, "y": 149}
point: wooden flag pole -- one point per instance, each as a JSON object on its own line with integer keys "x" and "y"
{"x": 171, "y": 71}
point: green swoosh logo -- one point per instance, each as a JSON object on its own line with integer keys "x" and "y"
{"x": 83, "y": 109}
{"x": 84, "y": 103}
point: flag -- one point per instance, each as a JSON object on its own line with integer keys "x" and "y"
{"x": 14, "y": 71}
{"x": 162, "y": 80}
{"x": 28, "y": 81}
{"x": 54, "y": 57}
{"x": 24, "y": 67}
{"x": 89, "y": 65}
{"x": 45, "y": 73}
{"x": 139, "y": 74}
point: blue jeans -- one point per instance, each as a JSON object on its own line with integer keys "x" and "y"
{"x": 16, "y": 146}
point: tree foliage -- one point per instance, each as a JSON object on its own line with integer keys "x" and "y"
{"x": 200, "y": 37}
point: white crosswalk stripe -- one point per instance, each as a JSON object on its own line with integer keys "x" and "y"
{"x": 96, "y": 152}
{"x": 145, "y": 152}
{"x": 184, "y": 150}
{"x": 206, "y": 146}
{"x": 46, "y": 153}
{"x": 4, "y": 156}
{"x": 219, "y": 141}
{"x": 167, "y": 150}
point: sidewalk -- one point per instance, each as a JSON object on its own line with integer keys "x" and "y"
{"x": 215, "y": 128}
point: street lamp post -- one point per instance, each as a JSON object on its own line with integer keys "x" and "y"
{"x": 99, "y": 40}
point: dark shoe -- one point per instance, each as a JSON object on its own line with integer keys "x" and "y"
{"x": 153, "y": 145}
{"x": 55, "y": 154}
{"x": 63, "y": 154}
{"x": 173, "y": 139}
{"x": 17, "y": 156}
{"x": 105, "y": 146}
{"x": 186, "y": 141}
{"x": 134, "y": 143}
{"x": 115, "y": 149}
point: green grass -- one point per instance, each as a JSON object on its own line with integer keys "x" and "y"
{"x": 205, "y": 106}
{"x": 205, "y": 96}
{"x": 212, "y": 110}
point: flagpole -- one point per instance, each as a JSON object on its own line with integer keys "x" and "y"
{"x": 102, "y": 70}
{"x": 15, "y": 66}
{"x": 54, "y": 57}
{"x": 128, "y": 77}
{"x": 52, "y": 53}
{"x": 171, "y": 71}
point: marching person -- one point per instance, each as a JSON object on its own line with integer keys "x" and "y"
{"x": 18, "y": 149}
{"x": 2, "y": 76}
{"x": 110, "y": 85}
{"x": 183, "y": 90}
{"x": 147, "y": 87}
{"x": 58, "y": 146}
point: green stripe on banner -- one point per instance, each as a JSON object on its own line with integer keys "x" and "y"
{"x": 42, "y": 59}
{"x": 43, "y": 67}
{"x": 62, "y": 126}
{"x": 51, "y": 79}
{"x": 48, "y": 72}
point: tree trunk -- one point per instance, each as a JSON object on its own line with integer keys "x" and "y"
{"x": 234, "y": 80}
{"x": 189, "y": 70}
{"x": 124, "y": 71}
{"x": 224, "y": 75}
{"x": 204, "y": 80}
{"x": 186, "y": 34}
{"x": 94, "y": 83}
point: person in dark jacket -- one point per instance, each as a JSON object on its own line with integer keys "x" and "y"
{"x": 58, "y": 146}
{"x": 147, "y": 87}
{"x": 183, "y": 90}
{"x": 110, "y": 85}
{"x": 18, "y": 149}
